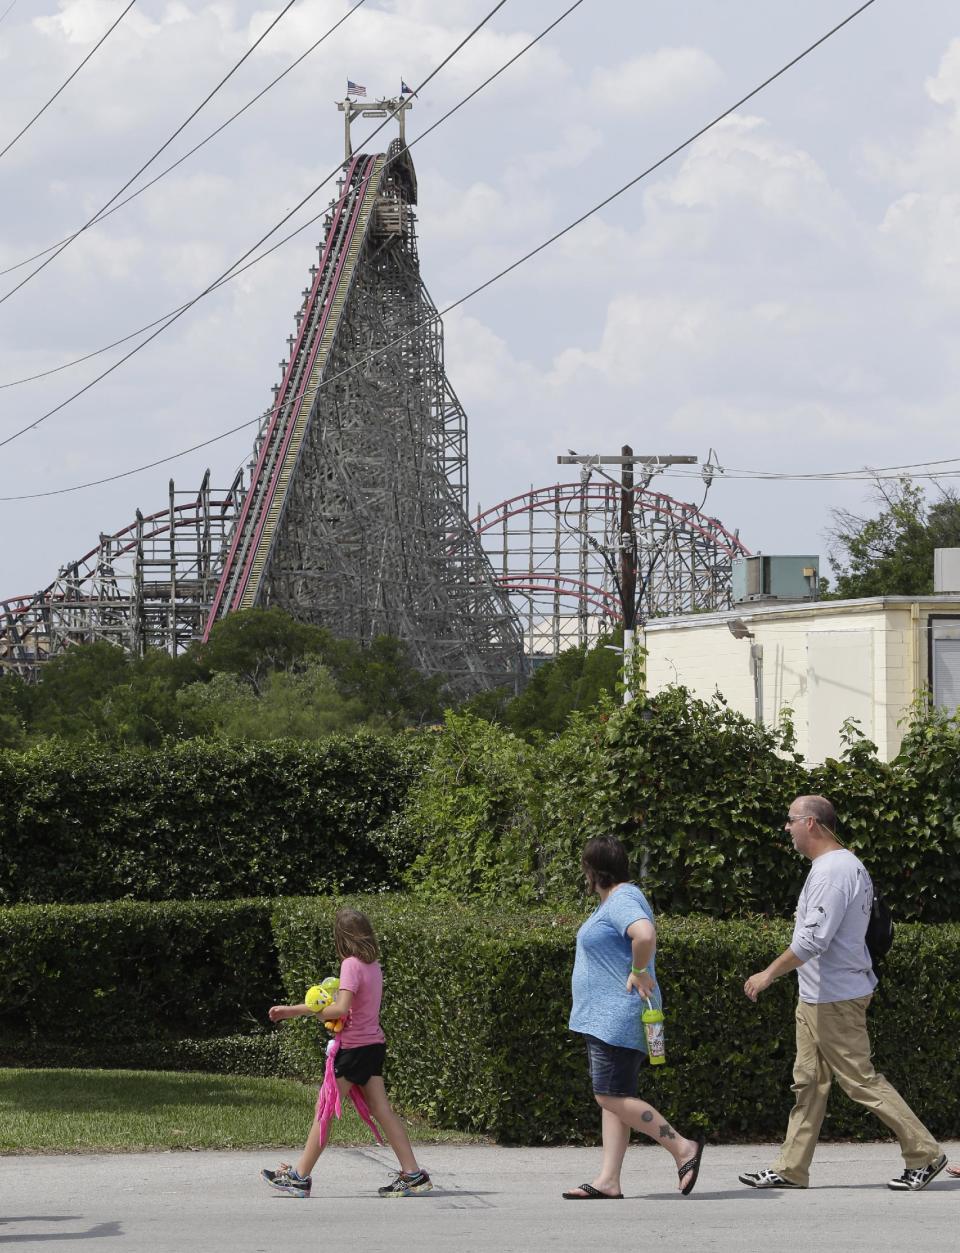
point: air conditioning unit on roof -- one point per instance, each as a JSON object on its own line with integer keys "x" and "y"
{"x": 781, "y": 579}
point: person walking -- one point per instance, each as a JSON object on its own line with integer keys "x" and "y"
{"x": 613, "y": 974}
{"x": 360, "y": 1060}
{"x": 836, "y": 982}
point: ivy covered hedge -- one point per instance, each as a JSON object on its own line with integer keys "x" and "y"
{"x": 697, "y": 792}
{"x": 202, "y": 820}
{"x": 475, "y": 1009}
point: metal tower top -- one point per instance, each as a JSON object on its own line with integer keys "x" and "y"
{"x": 395, "y": 106}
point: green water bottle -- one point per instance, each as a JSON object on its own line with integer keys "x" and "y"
{"x": 652, "y": 1020}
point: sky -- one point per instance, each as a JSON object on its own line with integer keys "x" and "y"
{"x": 784, "y": 291}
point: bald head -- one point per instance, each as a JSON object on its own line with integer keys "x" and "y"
{"x": 812, "y": 824}
{"x": 818, "y": 808}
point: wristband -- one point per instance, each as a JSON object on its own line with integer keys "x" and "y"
{"x": 635, "y": 971}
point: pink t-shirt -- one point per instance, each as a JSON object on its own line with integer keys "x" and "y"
{"x": 365, "y": 981}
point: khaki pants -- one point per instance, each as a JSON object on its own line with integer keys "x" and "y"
{"x": 832, "y": 1040}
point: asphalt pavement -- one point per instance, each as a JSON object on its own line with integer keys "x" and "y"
{"x": 485, "y": 1198}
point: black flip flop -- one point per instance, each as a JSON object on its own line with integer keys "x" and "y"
{"x": 592, "y": 1194}
{"x": 692, "y": 1168}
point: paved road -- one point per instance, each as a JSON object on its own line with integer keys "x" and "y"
{"x": 486, "y": 1199}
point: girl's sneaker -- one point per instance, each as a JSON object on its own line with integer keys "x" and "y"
{"x": 286, "y": 1180}
{"x": 407, "y": 1185}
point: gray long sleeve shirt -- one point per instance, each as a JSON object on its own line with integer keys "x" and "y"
{"x": 829, "y": 935}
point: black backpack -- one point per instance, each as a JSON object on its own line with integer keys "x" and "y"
{"x": 879, "y": 931}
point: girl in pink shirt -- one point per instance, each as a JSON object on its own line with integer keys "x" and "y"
{"x": 359, "y": 1061}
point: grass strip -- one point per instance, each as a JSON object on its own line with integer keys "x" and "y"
{"x": 115, "y": 1111}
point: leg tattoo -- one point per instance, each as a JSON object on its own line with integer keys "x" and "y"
{"x": 646, "y": 1116}
{"x": 667, "y": 1132}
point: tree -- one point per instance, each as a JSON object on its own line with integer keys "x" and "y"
{"x": 143, "y": 710}
{"x": 301, "y": 705}
{"x": 892, "y": 554}
{"x": 268, "y": 676}
{"x": 69, "y": 701}
{"x": 255, "y": 642}
{"x": 572, "y": 680}
{"x": 386, "y": 683}
{"x": 16, "y": 710}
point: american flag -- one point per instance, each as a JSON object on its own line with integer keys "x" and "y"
{"x": 354, "y": 89}
{"x": 405, "y": 90}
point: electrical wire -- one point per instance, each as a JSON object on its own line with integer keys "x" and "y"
{"x": 228, "y": 273}
{"x": 166, "y": 144}
{"x": 18, "y": 265}
{"x": 7, "y": 11}
{"x": 864, "y": 474}
{"x": 477, "y": 290}
{"x": 103, "y": 39}
{"x": 238, "y": 269}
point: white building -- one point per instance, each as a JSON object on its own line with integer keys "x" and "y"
{"x": 826, "y": 660}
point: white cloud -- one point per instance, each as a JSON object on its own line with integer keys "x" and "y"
{"x": 944, "y": 86}
{"x": 83, "y": 21}
{"x": 758, "y": 293}
{"x": 654, "y": 80}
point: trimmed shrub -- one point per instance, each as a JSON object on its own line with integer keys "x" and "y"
{"x": 202, "y": 820}
{"x": 475, "y": 1010}
{"x": 476, "y": 1007}
{"x": 127, "y": 973}
{"x": 260, "y": 1056}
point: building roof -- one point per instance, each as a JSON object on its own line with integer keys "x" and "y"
{"x": 762, "y": 609}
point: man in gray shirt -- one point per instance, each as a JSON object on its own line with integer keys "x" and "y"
{"x": 835, "y": 974}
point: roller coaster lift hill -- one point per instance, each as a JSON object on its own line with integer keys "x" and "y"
{"x": 352, "y": 511}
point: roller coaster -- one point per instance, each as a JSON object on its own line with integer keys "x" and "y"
{"x": 559, "y": 552}
{"x": 352, "y": 512}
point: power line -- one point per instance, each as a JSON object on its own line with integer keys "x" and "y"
{"x": 8, "y": 10}
{"x": 863, "y": 474}
{"x": 229, "y": 272}
{"x": 236, "y": 270}
{"x": 18, "y": 265}
{"x": 166, "y": 144}
{"x": 477, "y": 290}
{"x": 103, "y": 39}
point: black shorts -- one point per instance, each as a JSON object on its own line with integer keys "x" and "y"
{"x": 359, "y": 1065}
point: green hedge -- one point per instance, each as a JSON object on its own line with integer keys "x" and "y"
{"x": 475, "y": 1010}
{"x": 130, "y": 973}
{"x": 261, "y": 1056}
{"x": 203, "y": 820}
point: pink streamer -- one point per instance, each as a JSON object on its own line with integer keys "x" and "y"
{"x": 328, "y": 1098}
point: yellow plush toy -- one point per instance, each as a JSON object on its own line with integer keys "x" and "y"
{"x": 320, "y": 996}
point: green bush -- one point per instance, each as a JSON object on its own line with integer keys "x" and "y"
{"x": 473, "y": 815}
{"x": 698, "y": 794}
{"x": 202, "y": 820}
{"x": 476, "y": 1006}
{"x": 130, "y": 973}
{"x": 475, "y": 1010}
{"x": 260, "y": 1056}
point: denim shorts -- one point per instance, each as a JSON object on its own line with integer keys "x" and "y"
{"x": 614, "y": 1071}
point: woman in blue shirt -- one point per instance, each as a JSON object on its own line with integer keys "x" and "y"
{"x": 614, "y": 969}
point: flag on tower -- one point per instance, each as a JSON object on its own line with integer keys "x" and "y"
{"x": 354, "y": 89}
{"x": 405, "y": 90}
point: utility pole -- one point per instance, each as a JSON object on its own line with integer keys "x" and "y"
{"x": 628, "y": 562}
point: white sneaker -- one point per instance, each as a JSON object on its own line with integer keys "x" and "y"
{"x": 917, "y": 1180}
{"x": 767, "y": 1179}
